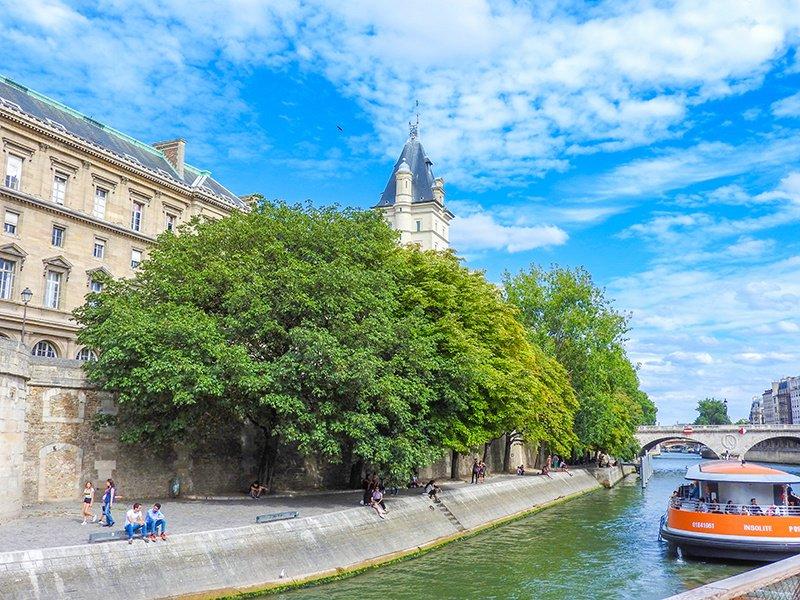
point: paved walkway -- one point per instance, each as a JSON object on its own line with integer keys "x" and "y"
{"x": 46, "y": 525}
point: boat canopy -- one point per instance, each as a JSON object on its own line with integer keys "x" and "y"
{"x": 730, "y": 471}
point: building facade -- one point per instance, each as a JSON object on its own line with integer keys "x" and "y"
{"x": 780, "y": 404}
{"x": 756, "y": 411}
{"x": 78, "y": 198}
{"x": 413, "y": 200}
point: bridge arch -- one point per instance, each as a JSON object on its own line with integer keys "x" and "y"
{"x": 646, "y": 447}
{"x": 778, "y": 436}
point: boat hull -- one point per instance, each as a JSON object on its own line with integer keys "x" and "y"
{"x": 718, "y": 548}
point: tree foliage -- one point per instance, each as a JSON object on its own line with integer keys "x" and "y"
{"x": 314, "y": 326}
{"x": 572, "y": 321}
{"x": 712, "y": 412}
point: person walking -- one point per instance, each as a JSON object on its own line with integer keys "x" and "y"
{"x": 154, "y": 521}
{"x": 134, "y": 521}
{"x": 108, "y": 502}
{"x": 88, "y": 503}
{"x": 475, "y": 468}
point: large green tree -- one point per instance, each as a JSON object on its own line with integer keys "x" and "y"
{"x": 315, "y": 327}
{"x": 712, "y": 412}
{"x": 568, "y": 316}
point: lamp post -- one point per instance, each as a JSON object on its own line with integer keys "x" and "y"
{"x": 26, "y": 294}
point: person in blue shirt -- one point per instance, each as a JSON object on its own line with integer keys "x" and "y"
{"x": 108, "y": 502}
{"x": 155, "y": 520}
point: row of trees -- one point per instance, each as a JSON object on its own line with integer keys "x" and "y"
{"x": 313, "y": 325}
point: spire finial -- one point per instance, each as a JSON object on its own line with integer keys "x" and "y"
{"x": 413, "y": 128}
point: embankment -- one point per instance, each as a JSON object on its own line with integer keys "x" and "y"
{"x": 230, "y": 561}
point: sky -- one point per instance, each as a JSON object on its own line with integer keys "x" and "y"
{"x": 655, "y": 143}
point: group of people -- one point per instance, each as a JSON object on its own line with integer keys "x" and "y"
{"x": 478, "y": 471}
{"x": 554, "y": 463}
{"x": 374, "y": 492}
{"x": 151, "y": 525}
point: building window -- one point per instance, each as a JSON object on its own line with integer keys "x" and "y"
{"x": 136, "y": 258}
{"x": 96, "y": 286}
{"x": 13, "y": 172}
{"x": 11, "y": 222}
{"x": 136, "y": 216}
{"x": 6, "y": 278}
{"x": 57, "y": 237}
{"x": 418, "y": 225}
{"x": 86, "y": 354}
{"x": 100, "y": 197}
{"x": 99, "y": 250}
{"x": 45, "y": 349}
{"x": 171, "y": 222}
{"x": 52, "y": 292}
{"x": 59, "y": 188}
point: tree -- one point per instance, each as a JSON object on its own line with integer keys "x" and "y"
{"x": 316, "y": 328}
{"x": 743, "y": 422}
{"x": 573, "y": 322}
{"x": 712, "y": 412}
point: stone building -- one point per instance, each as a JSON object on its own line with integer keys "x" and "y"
{"x": 756, "y": 411}
{"x": 413, "y": 200}
{"x": 78, "y": 198}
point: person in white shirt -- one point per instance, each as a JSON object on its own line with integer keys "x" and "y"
{"x": 134, "y": 521}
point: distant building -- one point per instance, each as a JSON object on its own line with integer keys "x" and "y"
{"x": 756, "y": 411}
{"x": 793, "y": 389}
{"x": 780, "y": 391}
{"x": 769, "y": 409}
{"x": 413, "y": 200}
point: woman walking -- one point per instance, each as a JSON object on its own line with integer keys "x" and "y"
{"x": 88, "y": 503}
{"x": 108, "y": 502}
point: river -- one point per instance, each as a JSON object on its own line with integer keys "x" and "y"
{"x": 602, "y": 545}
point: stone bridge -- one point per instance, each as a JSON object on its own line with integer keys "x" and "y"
{"x": 734, "y": 440}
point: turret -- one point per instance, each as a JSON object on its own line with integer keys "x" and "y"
{"x": 438, "y": 190}
{"x": 403, "y": 198}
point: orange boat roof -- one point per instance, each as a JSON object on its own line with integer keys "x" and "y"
{"x": 735, "y": 471}
{"x": 737, "y": 468}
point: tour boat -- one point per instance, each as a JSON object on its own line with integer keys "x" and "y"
{"x": 734, "y": 510}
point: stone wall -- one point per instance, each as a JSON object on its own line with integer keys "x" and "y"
{"x": 228, "y": 561}
{"x": 13, "y": 402}
{"x": 781, "y": 450}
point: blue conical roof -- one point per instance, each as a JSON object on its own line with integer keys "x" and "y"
{"x": 421, "y": 174}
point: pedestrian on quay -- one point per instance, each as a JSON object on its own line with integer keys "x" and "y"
{"x": 108, "y": 501}
{"x": 482, "y": 472}
{"x": 134, "y": 521}
{"x": 88, "y": 503}
{"x": 154, "y": 522}
{"x": 475, "y": 469}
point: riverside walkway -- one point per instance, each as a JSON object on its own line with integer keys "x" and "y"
{"x": 50, "y": 525}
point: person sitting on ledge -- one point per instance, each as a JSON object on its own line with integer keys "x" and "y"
{"x": 521, "y": 470}
{"x": 432, "y": 490}
{"x": 155, "y": 520}
{"x": 256, "y": 490}
{"x": 135, "y": 522}
{"x": 414, "y": 483}
{"x": 377, "y": 502}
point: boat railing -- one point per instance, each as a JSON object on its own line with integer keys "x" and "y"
{"x": 701, "y": 506}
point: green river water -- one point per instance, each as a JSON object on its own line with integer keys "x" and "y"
{"x": 602, "y": 545}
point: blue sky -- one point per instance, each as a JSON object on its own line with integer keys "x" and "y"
{"x": 656, "y": 143}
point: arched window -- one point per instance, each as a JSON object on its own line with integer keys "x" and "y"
{"x": 86, "y": 354}
{"x": 46, "y": 349}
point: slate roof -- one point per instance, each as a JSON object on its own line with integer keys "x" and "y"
{"x": 50, "y": 112}
{"x": 422, "y": 175}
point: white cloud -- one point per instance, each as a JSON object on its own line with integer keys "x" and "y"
{"x": 508, "y": 90}
{"x": 787, "y": 107}
{"x": 703, "y": 358}
{"x": 479, "y": 230}
{"x": 761, "y": 357}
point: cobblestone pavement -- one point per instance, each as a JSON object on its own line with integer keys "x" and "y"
{"x": 46, "y": 525}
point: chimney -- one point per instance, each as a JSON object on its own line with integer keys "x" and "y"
{"x": 174, "y": 151}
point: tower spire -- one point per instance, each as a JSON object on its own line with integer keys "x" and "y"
{"x": 413, "y": 128}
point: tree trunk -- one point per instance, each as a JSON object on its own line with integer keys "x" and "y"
{"x": 507, "y": 452}
{"x": 356, "y": 474}
{"x": 454, "y": 465}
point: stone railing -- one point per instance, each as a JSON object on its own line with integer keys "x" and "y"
{"x": 778, "y": 581}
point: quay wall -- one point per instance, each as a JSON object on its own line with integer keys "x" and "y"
{"x": 230, "y": 561}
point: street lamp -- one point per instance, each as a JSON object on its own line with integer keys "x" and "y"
{"x": 26, "y": 294}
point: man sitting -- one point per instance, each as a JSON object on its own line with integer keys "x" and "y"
{"x": 155, "y": 520}
{"x": 754, "y": 508}
{"x": 256, "y": 489}
{"x": 135, "y": 522}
